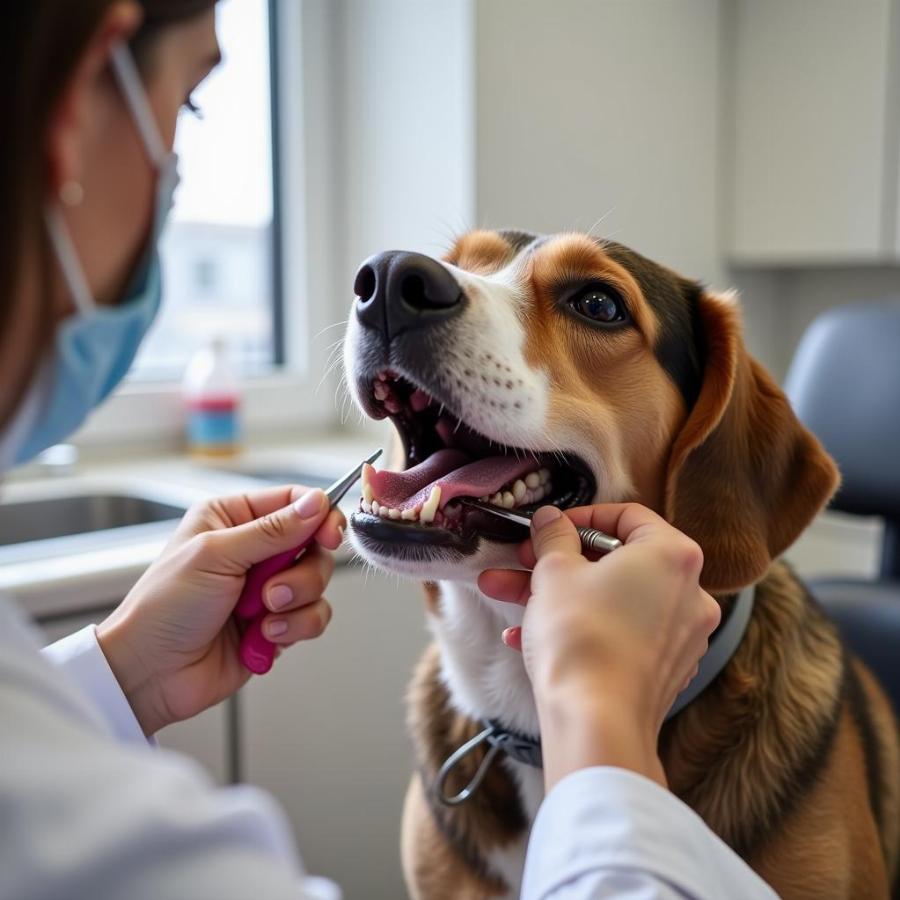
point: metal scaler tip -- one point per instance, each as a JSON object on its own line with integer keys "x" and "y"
{"x": 591, "y": 538}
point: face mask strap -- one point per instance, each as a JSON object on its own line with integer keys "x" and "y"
{"x": 68, "y": 261}
{"x": 135, "y": 94}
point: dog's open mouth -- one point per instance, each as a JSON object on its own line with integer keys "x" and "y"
{"x": 446, "y": 462}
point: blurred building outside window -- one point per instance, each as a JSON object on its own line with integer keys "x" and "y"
{"x": 218, "y": 249}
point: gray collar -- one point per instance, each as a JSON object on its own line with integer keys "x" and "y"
{"x": 526, "y": 749}
{"x": 721, "y": 648}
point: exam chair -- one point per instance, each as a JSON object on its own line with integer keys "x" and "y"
{"x": 844, "y": 384}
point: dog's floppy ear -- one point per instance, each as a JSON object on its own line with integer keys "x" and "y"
{"x": 744, "y": 477}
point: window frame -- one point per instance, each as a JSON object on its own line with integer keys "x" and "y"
{"x": 295, "y": 395}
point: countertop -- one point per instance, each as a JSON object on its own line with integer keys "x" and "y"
{"x": 92, "y": 571}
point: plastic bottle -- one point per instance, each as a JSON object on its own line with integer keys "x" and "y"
{"x": 213, "y": 403}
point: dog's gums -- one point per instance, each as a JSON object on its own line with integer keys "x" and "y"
{"x": 447, "y": 461}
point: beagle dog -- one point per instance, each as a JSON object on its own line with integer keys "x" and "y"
{"x": 571, "y": 370}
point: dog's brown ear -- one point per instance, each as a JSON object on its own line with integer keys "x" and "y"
{"x": 745, "y": 477}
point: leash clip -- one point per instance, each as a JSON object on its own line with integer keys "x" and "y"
{"x": 458, "y": 755}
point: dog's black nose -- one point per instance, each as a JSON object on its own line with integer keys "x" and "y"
{"x": 398, "y": 291}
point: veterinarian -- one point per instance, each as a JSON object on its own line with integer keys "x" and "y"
{"x": 90, "y": 808}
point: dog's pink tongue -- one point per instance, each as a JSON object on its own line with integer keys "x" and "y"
{"x": 393, "y": 489}
{"x": 452, "y": 472}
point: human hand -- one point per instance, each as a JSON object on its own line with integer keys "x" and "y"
{"x": 173, "y": 644}
{"x": 607, "y": 644}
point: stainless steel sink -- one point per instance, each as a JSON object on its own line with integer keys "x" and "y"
{"x": 58, "y": 517}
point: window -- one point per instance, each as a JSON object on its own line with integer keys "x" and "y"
{"x": 219, "y": 249}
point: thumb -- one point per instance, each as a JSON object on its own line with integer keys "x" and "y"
{"x": 282, "y": 531}
{"x": 552, "y": 531}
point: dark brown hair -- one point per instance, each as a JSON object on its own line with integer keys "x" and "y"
{"x": 41, "y": 43}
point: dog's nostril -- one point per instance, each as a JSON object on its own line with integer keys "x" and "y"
{"x": 412, "y": 290}
{"x": 364, "y": 286}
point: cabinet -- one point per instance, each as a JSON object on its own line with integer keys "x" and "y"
{"x": 814, "y": 120}
{"x": 325, "y": 732}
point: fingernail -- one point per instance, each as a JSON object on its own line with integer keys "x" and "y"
{"x": 310, "y": 504}
{"x": 276, "y": 627}
{"x": 544, "y": 516}
{"x": 280, "y": 596}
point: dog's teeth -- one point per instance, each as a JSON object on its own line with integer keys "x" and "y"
{"x": 508, "y": 500}
{"x": 532, "y": 480}
{"x": 366, "y": 507}
{"x": 484, "y": 499}
{"x": 375, "y": 507}
{"x": 429, "y": 507}
{"x": 381, "y": 390}
{"x": 538, "y": 494}
{"x": 518, "y": 490}
{"x": 496, "y": 499}
{"x": 395, "y": 513}
{"x": 410, "y": 515}
{"x": 544, "y": 475}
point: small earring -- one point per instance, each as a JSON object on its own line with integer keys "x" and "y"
{"x": 71, "y": 193}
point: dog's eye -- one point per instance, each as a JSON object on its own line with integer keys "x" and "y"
{"x": 599, "y": 304}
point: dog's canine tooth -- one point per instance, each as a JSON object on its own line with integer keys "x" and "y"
{"x": 508, "y": 500}
{"x": 368, "y": 496}
{"x": 532, "y": 480}
{"x": 518, "y": 490}
{"x": 429, "y": 508}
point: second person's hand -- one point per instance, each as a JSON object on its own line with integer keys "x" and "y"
{"x": 607, "y": 644}
{"x": 173, "y": 644}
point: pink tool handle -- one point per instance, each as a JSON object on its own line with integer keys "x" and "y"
{"x": 256, "y": 652}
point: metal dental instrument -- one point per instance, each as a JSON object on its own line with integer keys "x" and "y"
{"x": 257, "y": 652}
{"x": 591, "y": 538}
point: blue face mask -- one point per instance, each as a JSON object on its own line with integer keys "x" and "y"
{"x": 94, "y": 348}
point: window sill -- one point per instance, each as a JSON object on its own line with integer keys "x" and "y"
{"x": 153, "y": 413}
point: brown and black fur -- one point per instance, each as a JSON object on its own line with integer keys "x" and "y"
{"x": 791, "y": 755}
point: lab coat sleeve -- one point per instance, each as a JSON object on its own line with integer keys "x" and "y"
{"x": 88, "y": 815}
{"x": 83, "y": 663}
{"x": 607, "y": 832}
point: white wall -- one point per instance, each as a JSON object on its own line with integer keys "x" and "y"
{"x": 407, "y": 126}
{"x": 607, "y": 110}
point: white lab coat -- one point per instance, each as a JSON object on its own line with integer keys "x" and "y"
{"x": 89, "y": 809}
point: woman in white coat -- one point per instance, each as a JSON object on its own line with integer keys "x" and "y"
{"x": 89, "y": 807}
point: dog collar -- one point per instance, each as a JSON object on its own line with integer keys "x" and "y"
{"x": 526, "y": 749}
